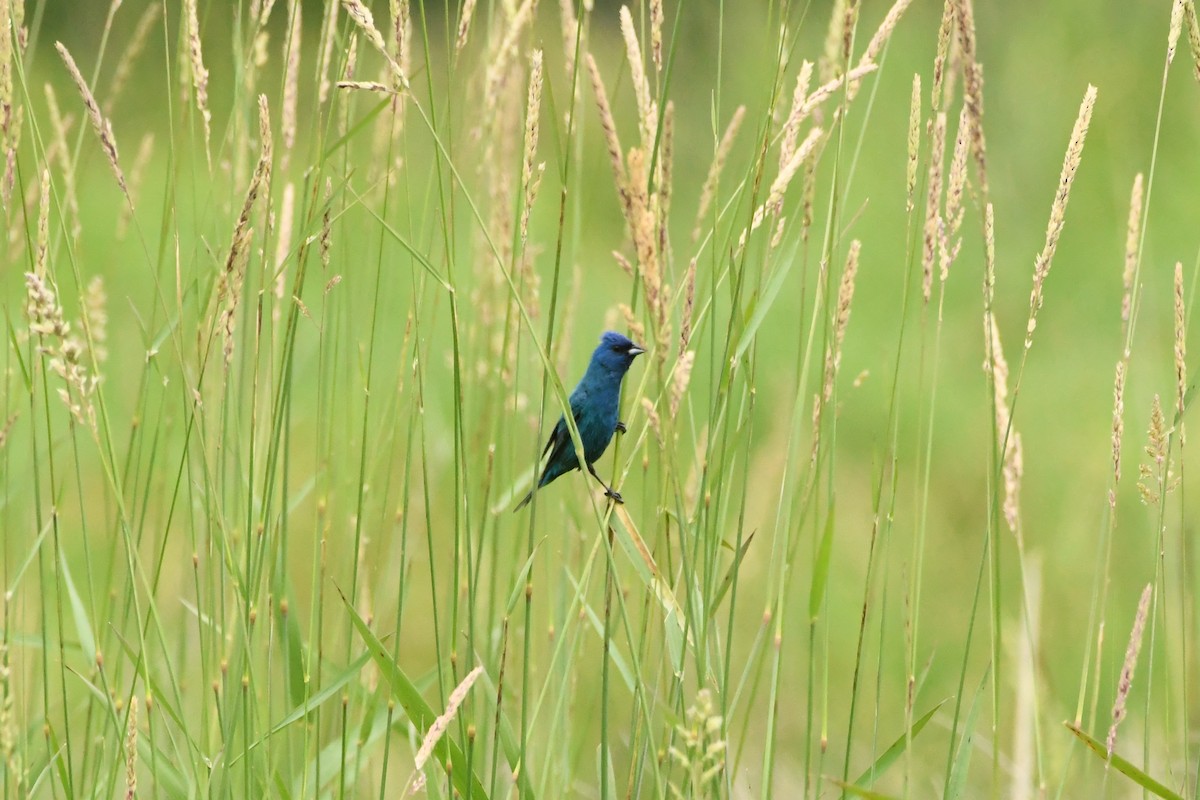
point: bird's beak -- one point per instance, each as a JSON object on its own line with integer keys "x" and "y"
{"x": 636, "y": 350}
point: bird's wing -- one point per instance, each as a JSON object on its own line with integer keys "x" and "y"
{"x": 560, "y": 437}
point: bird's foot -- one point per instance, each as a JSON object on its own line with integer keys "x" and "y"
{"x": 621, "y": 427}
{"x": 615, "y": 495}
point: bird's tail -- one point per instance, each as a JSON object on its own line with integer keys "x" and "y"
{"x": 525, "y": 502}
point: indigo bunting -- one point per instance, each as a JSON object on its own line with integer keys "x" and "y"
{"x": 595, "y": 404}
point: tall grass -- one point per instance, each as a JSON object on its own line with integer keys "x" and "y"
{"x": 295, "y": 291}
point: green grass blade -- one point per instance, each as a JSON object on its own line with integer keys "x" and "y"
{"x": 406, "y": 693}
{"x": 962, "y": 761}
{"x": 858, "y": 791}
{"x": 727, "y": 581}
{"x": 332, "y": 688}
{"x": 821, "y": 568}
{"x": 889, "y": 757}
{"x": 83, "y": 627}
{"x": 1124, "y": 767}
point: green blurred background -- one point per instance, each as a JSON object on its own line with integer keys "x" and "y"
{"x": 1038, "y": 60}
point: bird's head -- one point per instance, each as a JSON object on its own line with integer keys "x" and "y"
{"x": 616, "y": 352}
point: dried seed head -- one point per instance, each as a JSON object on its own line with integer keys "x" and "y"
{"x": 1175, "y": 29}
{"x": 683, "y": 374}
{"x": 291, "y": 78}
{"x": 653, "y": 419}
{"x": 831, "y": 59}
{"x": 957, "y": 180}
{"x": 402, "y": 33}
{"x": 689, "y": 303}
{"x": 914, "y": 138}
{"x": 784, "y": 178}
{"x": 1132, "y": 238}
{"x": 943, "y": 52}
{"x": 45, "y": 314}
{"x": 61, "y": 152}
{"x": 1118, "y": 429}
{"x": 328, "y": 32}
{"x": 95, "y": 319}
{"x": 230, "y": 283}
{"x": 199, "y": 73}
{"x": 43, "y": 229}
{"x": 656, "y": 26}
{"x": 464, "y": 25}
{"x": 989, "y": 255}
{"x": 841, "y": 320}
{"x": 774, "y": 202}
{"x": 709, "y": 190}
{"x": 879, "y": 40}
{"x": 6, "y": 81}
{"x": 440, "y": 726}
{"x": 972, "y": 87}
{"x": 1059, "y": 209}
{"x": 531, "y": 176}
{"x": 327, "y": 226}
{"x": 64, "y": 351}
{"x": 1180, "y": 346}
{"x": 825, "y": 90}
{"x": 1193, "y": 30}
{"x": 137, "y": 43}
{"x": 102, "y": 126}
{"x": 884, "y": 31}
{"x": 1007, "y": 438}
{"x": 502, "y": 58}
{"x": 623, "y": 263}
{"x": 666, "y": 160}
{"x": 366, "y": 23}
{"x": 637, "y": 330}
{"x": 283, "y": 238}
{"x": 131, "y": 751}
{"x": 933, "y": 199}
{"x": 1131, "y": 657}
{"x": 1155, "y": 477}
{"x": 609, "y": 126}
{"x": 647, "y": 109}
{"x": 791, "y": 126}
{"x": 571, "y": 30}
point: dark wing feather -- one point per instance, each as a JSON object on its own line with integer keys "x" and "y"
{"x": 560, "y": 437}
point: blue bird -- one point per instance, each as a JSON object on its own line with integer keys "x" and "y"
{"x": 595, "y": 404}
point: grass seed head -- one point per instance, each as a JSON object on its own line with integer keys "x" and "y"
{"x": 131, "y": 733}
{"x": 531, "y": 174}
{"x": 129, "y": 55}
{"x": 199, "y": 72}
{"x": 1177, "y": 9}
{"x": 933, "y": 199}
{"x": 464, "y": 25}
{"x": 1131, "y": 656}
{"x": 709, "y": 190}
{"x": 1180, "y": 345}
{"x": 1118, "y": 429}
{"x": 102, "y": 126}
{"x": 1193, "y": 31}
{"x": 1058, "y": 210}
{"x": 943, "y": 53}
{"x": 914, "y": 139}
{"x": 647, "y": 109}
{"x": 1132, "y": 240}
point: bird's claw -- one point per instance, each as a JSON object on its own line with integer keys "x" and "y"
{"x": 621, "y": 427}
{"x": 615, "y": 495}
